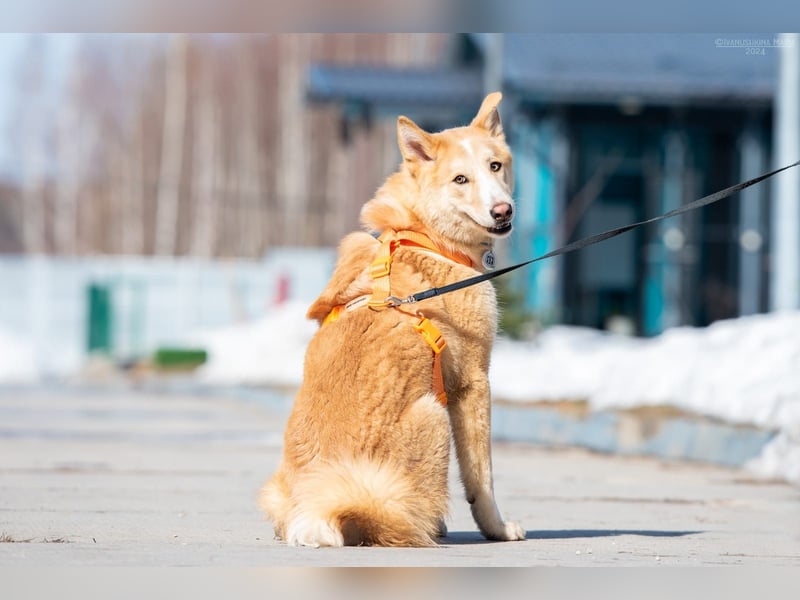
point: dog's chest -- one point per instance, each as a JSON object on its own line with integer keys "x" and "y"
{"x": 473, "y": 311}
{"x": 472, "y": 307}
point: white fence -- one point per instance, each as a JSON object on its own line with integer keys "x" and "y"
{"x": 44, "y": 301}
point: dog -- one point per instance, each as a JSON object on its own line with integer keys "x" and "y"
{"x": 367, "y": 445}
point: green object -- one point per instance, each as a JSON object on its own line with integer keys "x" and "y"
{"x": 100, "y": 321}
{"x": 179, "y": 358}
{"x": 515, "y": 320}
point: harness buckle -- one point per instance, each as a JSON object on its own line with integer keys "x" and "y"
{"x": 430, "y": 334}
{"x": 380, "y": 267}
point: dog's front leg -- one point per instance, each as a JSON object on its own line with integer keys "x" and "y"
{"x": 470, "y": 418}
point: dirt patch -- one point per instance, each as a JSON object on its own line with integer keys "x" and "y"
{"x": 5, "y": 538}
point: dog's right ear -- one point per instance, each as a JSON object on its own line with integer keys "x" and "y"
{"x": 488, "y": 118}
{"x": 415, "y": 143}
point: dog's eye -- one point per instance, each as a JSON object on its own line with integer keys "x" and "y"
{"x": 495, "y": 166}
{"x": 460, "y": 179}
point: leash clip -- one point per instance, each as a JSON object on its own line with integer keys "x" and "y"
{"x": 391, "y": 302}
{"x": 394, "y": 301}
{"x": 388, "y": 302}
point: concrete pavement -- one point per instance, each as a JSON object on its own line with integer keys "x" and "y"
{"x": 116, "y": 476}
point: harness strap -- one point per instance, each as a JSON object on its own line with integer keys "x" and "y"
{"x": 437, "y": 382}
{"x": 381, "y": 266}
{"x": 407, "y": 237}
{"x": 431, "y": 334}
{"x": 380, "y": 269}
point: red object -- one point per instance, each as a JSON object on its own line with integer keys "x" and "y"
{"x": 282, "y": 292}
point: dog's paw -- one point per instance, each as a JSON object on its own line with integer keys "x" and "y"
{"x": 507, "y": 531}
{"x": 305, "y": 531}
{"x": 513, "y": 531}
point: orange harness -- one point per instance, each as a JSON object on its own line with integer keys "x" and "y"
{"x": 380, "y": 269}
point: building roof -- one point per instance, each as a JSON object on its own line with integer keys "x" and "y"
{"x": 548, "y": 68}
{"x": 656, "y": 68}
{"x": 392, "y": 88}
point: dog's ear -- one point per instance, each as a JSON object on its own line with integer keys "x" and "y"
{"x": 488, "y": 118}
{"x": 415, "y": 143}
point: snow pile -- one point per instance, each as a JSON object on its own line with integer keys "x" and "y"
{"x": 17, "y": 360}
{"x": 744, "y": 370}
{"x": 267, "y": 351}
{"x": 781, "y": 457}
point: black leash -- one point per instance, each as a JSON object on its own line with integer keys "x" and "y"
{"x": 588, "y": 241}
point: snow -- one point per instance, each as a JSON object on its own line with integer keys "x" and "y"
{"x": 744, "y": 370}
{"x": 781, "y": 457}
{"x": 17, "y": 360}
{"x": 268, "y": 351}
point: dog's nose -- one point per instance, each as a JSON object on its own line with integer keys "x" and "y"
{"x": 502, "y": 212}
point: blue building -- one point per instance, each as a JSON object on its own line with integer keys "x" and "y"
{"x": 608, "y": 129}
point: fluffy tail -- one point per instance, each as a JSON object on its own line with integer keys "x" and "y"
{"x": 361, "y": 502}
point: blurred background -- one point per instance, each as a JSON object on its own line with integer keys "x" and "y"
{"x": 154, "y": 184}
{"x": 176, "y": 193}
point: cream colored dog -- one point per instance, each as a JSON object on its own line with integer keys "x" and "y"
{"x": 367, "y": 445}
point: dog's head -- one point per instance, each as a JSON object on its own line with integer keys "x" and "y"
{"x": 455, "y": 184}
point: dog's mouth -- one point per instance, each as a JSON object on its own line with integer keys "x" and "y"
{"x": 500, "y": 229}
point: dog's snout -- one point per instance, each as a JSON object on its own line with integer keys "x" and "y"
{"x": 502, "y": 212}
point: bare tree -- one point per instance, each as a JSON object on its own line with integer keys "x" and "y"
{"x": 33, "y": 159}
{"x": 291, "y": 189}
{"x": 128, "y": 186}
{"x": 205, "y": 153}
{"x": 173, "y": 139}
{"x": 132, "y": 188}
{"x": 82, "y": 111}
{"x": 247, "y": 167}
{"x": 201, "y": 145}
{"x": 69, "y": 146}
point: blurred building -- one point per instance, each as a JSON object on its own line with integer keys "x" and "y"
{"x": 609, "y": 129}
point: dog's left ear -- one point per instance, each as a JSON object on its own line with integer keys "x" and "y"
{"x": 488, "y": 118}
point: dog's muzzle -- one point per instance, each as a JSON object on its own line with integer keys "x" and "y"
{"x": 502, "y": 213}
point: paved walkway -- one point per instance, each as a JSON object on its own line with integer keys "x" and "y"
{"x": 122, "y": 477}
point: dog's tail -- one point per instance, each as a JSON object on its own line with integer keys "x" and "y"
{"x": 363, "y": 502}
